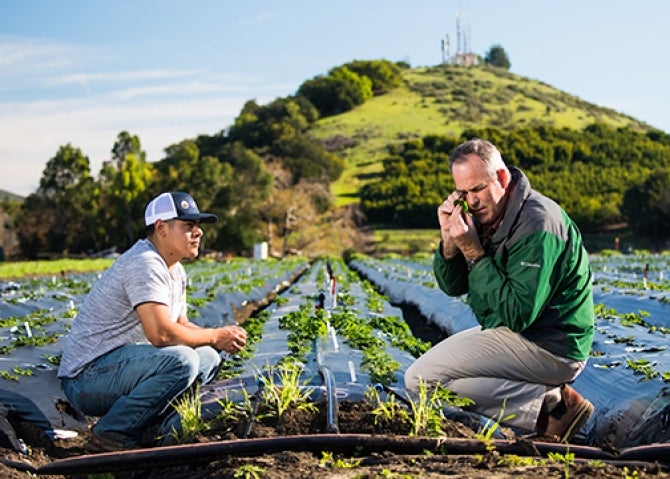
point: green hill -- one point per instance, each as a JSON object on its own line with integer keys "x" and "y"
{"x": 446, "y": 100}
{"x": 7, "y": 196}
{"x": 267, "y": 177}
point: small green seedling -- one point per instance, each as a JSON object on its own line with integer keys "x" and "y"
{"x": 189, "y": 408}
{"x": 463, "y": 204}
{"x": 249, "y": 471}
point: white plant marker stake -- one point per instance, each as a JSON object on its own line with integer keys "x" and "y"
{"x": 333, "y": 336}
{"x": 352, "y": 371}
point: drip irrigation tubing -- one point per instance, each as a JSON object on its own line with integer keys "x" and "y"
{"x": 194, "y": 454}
{"x": 18, "y": 465}
{"x": 256, "y": 401}
{"x": 393, "y": 392}
{"x": 331, "y": 389}
{"x": 647, "y": 452}
{"x": 331, "y": 399}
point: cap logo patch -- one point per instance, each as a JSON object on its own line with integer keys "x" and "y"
{"x": 184, "y": 205}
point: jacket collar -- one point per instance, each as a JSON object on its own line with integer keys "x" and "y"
{"x": 519, "y": 190}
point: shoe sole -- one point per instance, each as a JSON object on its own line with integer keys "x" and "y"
{"x": 98, "y": 445}
{"x": 581, "y": 416}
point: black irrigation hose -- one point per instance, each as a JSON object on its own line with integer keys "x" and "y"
{"x": 254, "y": 409}
{"x": 18, "y": 465}
{"x": 331, "y": 399}
{"x": 194, "y": 454}
{"x": 648, "y": 452}
{"x": 331, "y": 391}
{"x": 393, "y": 392}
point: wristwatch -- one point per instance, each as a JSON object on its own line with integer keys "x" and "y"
{"x": 472, "y": 262}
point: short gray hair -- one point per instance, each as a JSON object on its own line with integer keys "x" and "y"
{"x": 485, "y": 150}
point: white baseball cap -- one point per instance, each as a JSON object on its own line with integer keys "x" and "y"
{"x": 175, "y": 205}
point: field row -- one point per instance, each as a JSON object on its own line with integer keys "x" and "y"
{"x": 345, "y": 319}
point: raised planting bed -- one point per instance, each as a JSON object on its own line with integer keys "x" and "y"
{"x": 626, "y": 377}
{"x": 319, "y": 389}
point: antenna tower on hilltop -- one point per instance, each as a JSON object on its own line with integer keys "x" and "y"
{"x": 445, "y": 49}
{"x": 459, "y": 37}
{"x": 463, "y": 55}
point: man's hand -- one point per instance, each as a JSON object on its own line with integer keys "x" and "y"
{"x": 444, "y": 214}
{"x": 230, "y": 339}
{"x": 463, "y": 233}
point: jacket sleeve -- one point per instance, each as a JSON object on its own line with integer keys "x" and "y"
{"x": 515, "y": 289}
{"x": 451, "y": 274}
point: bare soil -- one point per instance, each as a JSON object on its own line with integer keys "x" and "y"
{"x": 309, "y": 461}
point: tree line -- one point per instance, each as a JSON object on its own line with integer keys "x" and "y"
{"x": 600, "y": 175}
{"x": 265, "y": 176}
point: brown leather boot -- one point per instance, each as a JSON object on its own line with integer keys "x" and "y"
{"x": 566, "y": 419}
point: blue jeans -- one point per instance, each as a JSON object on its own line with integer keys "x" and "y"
{"x": 130, "y": 387}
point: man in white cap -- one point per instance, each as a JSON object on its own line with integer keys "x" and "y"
{"x": 131, "y": 349}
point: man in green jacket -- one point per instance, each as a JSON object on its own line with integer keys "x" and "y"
{"x": 522, "y": 263}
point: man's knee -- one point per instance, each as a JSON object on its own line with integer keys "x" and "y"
{"x": 182, "y": 361}
{"x": 209, "y": 363}
{"x": 208, "y": 355}
{"x": 412, "y": 378}
{"x": 427, "y": 373}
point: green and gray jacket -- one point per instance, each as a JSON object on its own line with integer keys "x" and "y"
{"x": 535, "y": 278}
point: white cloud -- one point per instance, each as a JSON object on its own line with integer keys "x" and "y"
{"x": 29, "y": 59}
{"x": 194, "y": 87}
{"x": 33, "y": 131}
{"x": 85, "y": 79}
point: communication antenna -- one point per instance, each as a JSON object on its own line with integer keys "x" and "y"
{"x": 463, "y": 30}
{"x": 445, "y": 48}
{"x": 464, "y": 55}
{"x": 458, "y": 33}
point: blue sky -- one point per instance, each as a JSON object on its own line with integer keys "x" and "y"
{"x": 81, "y": 71}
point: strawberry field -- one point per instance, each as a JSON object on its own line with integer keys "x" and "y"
{"x": 627, "y": 374}
{"x": 328, "y": 339}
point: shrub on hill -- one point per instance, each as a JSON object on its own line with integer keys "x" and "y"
{"x": 350, "y": 85}
{"x": 587, "y": 172}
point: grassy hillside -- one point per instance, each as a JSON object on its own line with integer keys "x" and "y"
{"x": 447, "y": 100}
{"x": 7, "y": 196}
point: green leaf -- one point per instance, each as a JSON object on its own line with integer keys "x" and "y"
{"x": 463, "y": 204}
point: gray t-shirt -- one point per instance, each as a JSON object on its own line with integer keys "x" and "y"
{"x": 107, "y": 319}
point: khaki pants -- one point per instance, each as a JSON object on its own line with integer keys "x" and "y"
{"x": 496, "y": 368}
